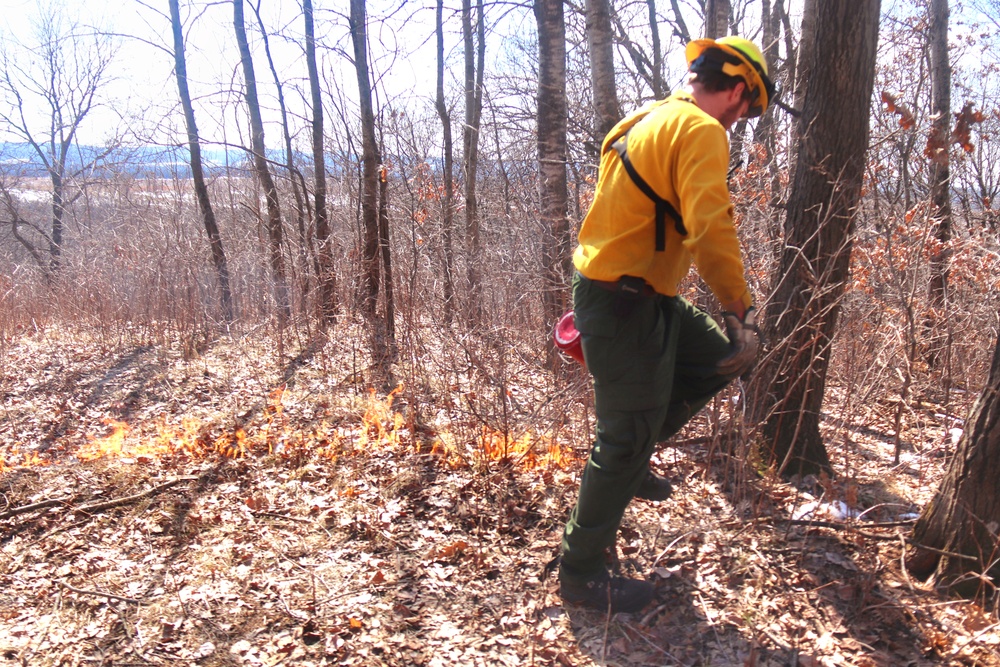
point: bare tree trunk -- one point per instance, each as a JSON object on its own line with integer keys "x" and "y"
{"x": 765, "y": 130}
{"x": 325, "y": 268}
{"x": 385, "y": 253}
{"x": 274, "y": 228}
{"x": 380, "y": 345}
{"x": 716, "y": 18}
{"x": 788, "y": 389}
{"x": 602, "y": 70}
{"x": 294, "y": 175}
{"x": 659, "y": 87}
{"x": 62, "y": 73}
{"x": 938, "y": 147}
{"x": 552, "y": 155}
{"x": 197, "y": 172}
{"x": 448, "y": 204}
{"x": 958, "y": 528}
{"x": 474, "y": 72}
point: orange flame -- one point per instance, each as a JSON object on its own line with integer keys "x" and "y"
{"x": 495, "y": 446}
{"x": 19, "y": 460}
{"x": 380, "y": 425}
{"x": 110, "y": 445}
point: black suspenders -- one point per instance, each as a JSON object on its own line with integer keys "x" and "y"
{"x": 663, "y": 207}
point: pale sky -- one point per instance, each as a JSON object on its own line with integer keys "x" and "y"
{"x": 144, "y": 86}
{"x": 143, "y": 94}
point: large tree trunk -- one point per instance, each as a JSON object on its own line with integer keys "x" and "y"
{"x": 448, "y": 202}
{"x": 802, "y": 317}
{"x": 938, "y": 150}
{"x": 325, "y": 268}
{"x": 474, "y": 71}
{"x": 370, "y": 159}
{"x": 274, "y": 227}
{"x": 552, "y": 154}
{"x": 959, "y": 527}
{"x": 197, "y": 172}
{"x": 602, "y": 70}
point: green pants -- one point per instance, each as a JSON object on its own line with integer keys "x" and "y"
{"x": 653, "y": 369}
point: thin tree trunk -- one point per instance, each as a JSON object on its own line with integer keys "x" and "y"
{"x": 58, "y": 210}
{"x": 327, "y": 274}
{"x": 447, "y": 205}
{"x": 371, "y": 271}
{"x": 938, "y": 147}
{"x": 474, "y": 72}
{"x": 602, "y": 70}
{"x": 659, "y": 87}
{"x": 552, "y": 154}
{"x": 274, "y": 228}
{"x": 294, "y": 176}
{"x": 385, "y": 253}
{"x": 197, "y": 172}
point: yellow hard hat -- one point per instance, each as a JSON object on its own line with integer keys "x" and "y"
{"x": 734, "y": 56}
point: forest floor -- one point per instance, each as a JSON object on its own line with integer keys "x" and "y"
{"x": 222, "y": 510}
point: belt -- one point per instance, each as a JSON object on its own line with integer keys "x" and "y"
{"x": 627, "y": 283}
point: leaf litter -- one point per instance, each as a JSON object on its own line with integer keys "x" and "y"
{"x": 215, "y": 512}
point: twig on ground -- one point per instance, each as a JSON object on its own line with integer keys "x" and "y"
{"x": 839, "y": 525}
{"x": 118, "y": 502}
{"x": 278, "y": 515}
{"x": 111, "y": 596}
{"x": 52, "y": 502}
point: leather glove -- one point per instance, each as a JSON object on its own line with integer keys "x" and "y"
{"x": 743, "y": 344}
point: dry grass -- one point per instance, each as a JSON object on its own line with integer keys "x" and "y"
{"x": 355, "y": 531}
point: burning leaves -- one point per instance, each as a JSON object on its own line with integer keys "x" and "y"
{"x": 360, "y": 534}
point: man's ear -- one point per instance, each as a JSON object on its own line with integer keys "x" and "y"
{"x": 736, "y": 92}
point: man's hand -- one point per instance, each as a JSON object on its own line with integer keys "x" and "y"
{"x": 743, "y": 343}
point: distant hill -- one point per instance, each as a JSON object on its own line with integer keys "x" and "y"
{"x": 139, "y": 161}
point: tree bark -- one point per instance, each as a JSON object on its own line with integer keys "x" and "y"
{"x": 294, "y": 175}
{"x": 787, "y": 391}
{"x": 659, "y": 87}
{"x": 274, "y": 226}
{"x": 197, "y": 171}
{"x": 370, "y": 162}
{"x": 716, "y": 18}
{"x": 964, "y": 515}
{"x": 325, "y": 268}
{"x": 607, "y": 110}
{"x": 938, "y": 149}
{"x": 448, "y": 203}
{"x": 474, "y": 72}
{"x": 552, "y": 155}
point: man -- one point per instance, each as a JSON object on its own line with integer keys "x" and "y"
{"x": 661, "y": 203}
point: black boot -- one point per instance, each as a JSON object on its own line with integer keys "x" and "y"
{"x": 654, "y": 487}
{"x": 604, "y": 593}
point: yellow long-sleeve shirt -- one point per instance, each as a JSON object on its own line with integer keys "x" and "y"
{"x": 683, "y": 154}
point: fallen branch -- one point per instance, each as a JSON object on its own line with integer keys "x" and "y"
{"x": 118, "y": 502}
{"x": 277, "y": 515}
{"x": 111, "y": 596}
{"x": 52, "y": 502}
{"x": 839, "y": 525}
